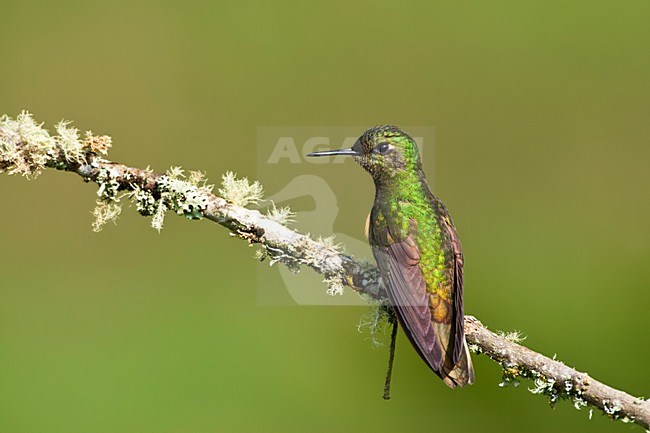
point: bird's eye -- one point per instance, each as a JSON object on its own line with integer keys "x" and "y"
{"x": 382, "y": 148}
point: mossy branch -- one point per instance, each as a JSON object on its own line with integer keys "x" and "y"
{"x": 26, "y": 148}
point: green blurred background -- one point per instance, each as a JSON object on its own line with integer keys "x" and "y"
{"x": 541, "y": 116}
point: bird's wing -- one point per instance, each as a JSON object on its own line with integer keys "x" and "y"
{"x": 457, "y": 289}
{"x": 398, "y": 263}
{"x": 457, "y": 370}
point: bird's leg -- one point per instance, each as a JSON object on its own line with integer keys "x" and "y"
{"x": 391, "y": 355}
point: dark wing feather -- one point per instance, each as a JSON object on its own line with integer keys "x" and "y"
{"x": 406, "y": 287}
{"x": 459, "y": 319}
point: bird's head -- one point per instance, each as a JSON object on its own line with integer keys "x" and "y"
{"x": 384, "y": 151}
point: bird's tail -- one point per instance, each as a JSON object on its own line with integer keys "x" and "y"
{"x": 459, "y": 374}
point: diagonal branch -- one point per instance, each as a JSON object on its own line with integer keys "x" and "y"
{"x": 26, "y": 148}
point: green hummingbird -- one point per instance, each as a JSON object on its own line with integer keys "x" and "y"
{"x": 417, "y": 250}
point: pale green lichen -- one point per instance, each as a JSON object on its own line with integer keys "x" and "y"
{"x": 107, "y": 207}
{"x": 198, "y": 179}
{"x": 187, "y": 196}
{"x": 579, "y": 402}
{"x": 260, "y": 254}
{"x": 566, "y": 389}
{"x": 104, "y": 212}
{"x": 334, "y": 285}
{"x": 69, "y": 143}
{"x": 611, "y": 407}
{"x": 108, "y": 184}
{"x": 25, "y": 147}
{"x": 240, "y": 191}
{"x": 569, "y": 388}
{"x": 329, "y": 242}
{"x": 282, "y": 215}
{"x": 514, "y": 336}
{"x": 145, "y": 203}
{"x": 159, "y": 216}
{"x": 176, "y": 172}
{"x": 376, "y": 321}
{"x": 182, "y": 197}
{"x": 546, "y": 386}
{"x": 278, "y": 255}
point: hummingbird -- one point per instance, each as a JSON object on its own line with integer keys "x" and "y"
{"x": 417, "y": 250}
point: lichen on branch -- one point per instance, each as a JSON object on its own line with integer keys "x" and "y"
{"x": 27, "y": 148}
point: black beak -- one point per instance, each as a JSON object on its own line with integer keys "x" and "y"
{"x": 350, "y": 152}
